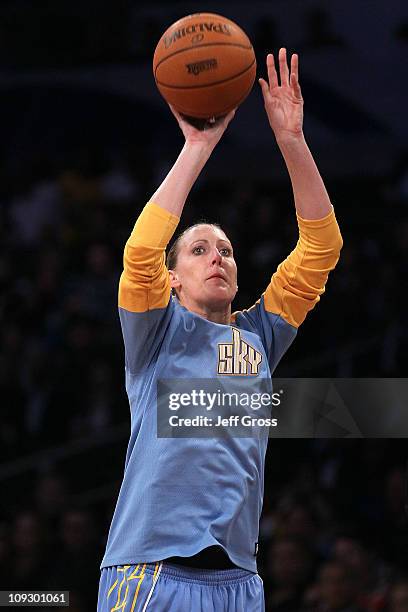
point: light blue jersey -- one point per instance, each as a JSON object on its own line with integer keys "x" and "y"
{"x": 181, "y": 495}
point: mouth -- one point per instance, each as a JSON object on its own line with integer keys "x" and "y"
{"x": 217, "y": 276}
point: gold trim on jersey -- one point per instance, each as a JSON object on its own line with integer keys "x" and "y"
{"x": 134, "y": 575}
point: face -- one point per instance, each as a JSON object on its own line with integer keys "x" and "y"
{"x": 206, "y": 273}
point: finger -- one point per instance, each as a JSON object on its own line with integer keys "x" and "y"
{"x": 294, "y": 83}
{"x": 294, "y": 76}
{"x": 283, "y": 67}
{"x": 231, "y": 114}
{"x": 272, "y": 76}
{"x": 229, "y": 117}
{"x": 294, "y": 66}
{"x": 175, "y": 113}
{"x": 264, "y": 86}
{"x": 219, "y": 122}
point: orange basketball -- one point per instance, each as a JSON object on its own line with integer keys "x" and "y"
{"x": 204, "y": 65}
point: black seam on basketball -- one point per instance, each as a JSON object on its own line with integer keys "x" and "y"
{"x": 217, "y": 44}
{"x": 225, "y": 110}
{"x": 240, "y": 99}
{"x": 207, "y": 84}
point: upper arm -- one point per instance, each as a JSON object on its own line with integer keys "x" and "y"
{"x": 144, "y": 286}
{"x": 300, "y": 280}
{"x": 295, "y": 287}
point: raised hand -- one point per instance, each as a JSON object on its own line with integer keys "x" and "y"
{"x": 284, "y": 102}
{"x": 210, "y": 132}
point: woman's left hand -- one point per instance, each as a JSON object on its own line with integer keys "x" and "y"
{"x": 211, "y": 132}
{"x": 284, "y": 102}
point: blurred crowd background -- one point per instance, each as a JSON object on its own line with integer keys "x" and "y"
{"x": 85, "y": 140}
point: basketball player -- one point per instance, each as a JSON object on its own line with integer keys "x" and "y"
{"x": 185, "y": 528}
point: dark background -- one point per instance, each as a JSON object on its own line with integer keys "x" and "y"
{"x": 85, "y": 140}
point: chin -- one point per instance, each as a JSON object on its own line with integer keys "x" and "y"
{"x": 219, "y": 299}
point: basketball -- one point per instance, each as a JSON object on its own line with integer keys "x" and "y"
{"x": 204, "y": 65}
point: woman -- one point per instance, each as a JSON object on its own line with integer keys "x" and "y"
{"x": 185, "y": 529}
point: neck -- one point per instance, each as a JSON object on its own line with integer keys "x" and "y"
{"x": 216, "y": 314}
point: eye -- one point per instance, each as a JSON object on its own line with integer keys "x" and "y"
{"x": 198, "y": 250}
{"x": 226, "y": 252}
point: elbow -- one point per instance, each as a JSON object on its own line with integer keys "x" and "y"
{"x": 331, "y": 254}
{"x": 338, "y": 245}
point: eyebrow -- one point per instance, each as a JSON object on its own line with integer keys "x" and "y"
{"x": 207, "y": 241}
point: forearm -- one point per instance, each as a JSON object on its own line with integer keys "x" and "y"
{"x": 173, "y": 192}
{"x": 311, "y": 198}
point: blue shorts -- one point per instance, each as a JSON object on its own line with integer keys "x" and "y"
{"x": 164, "y": 587}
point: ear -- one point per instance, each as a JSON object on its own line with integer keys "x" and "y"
{"x": 174, "y": 281}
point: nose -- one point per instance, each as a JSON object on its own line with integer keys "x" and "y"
{"x": 216, "y": 257}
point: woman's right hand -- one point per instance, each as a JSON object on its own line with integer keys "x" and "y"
{"x": 211, "y": 132}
